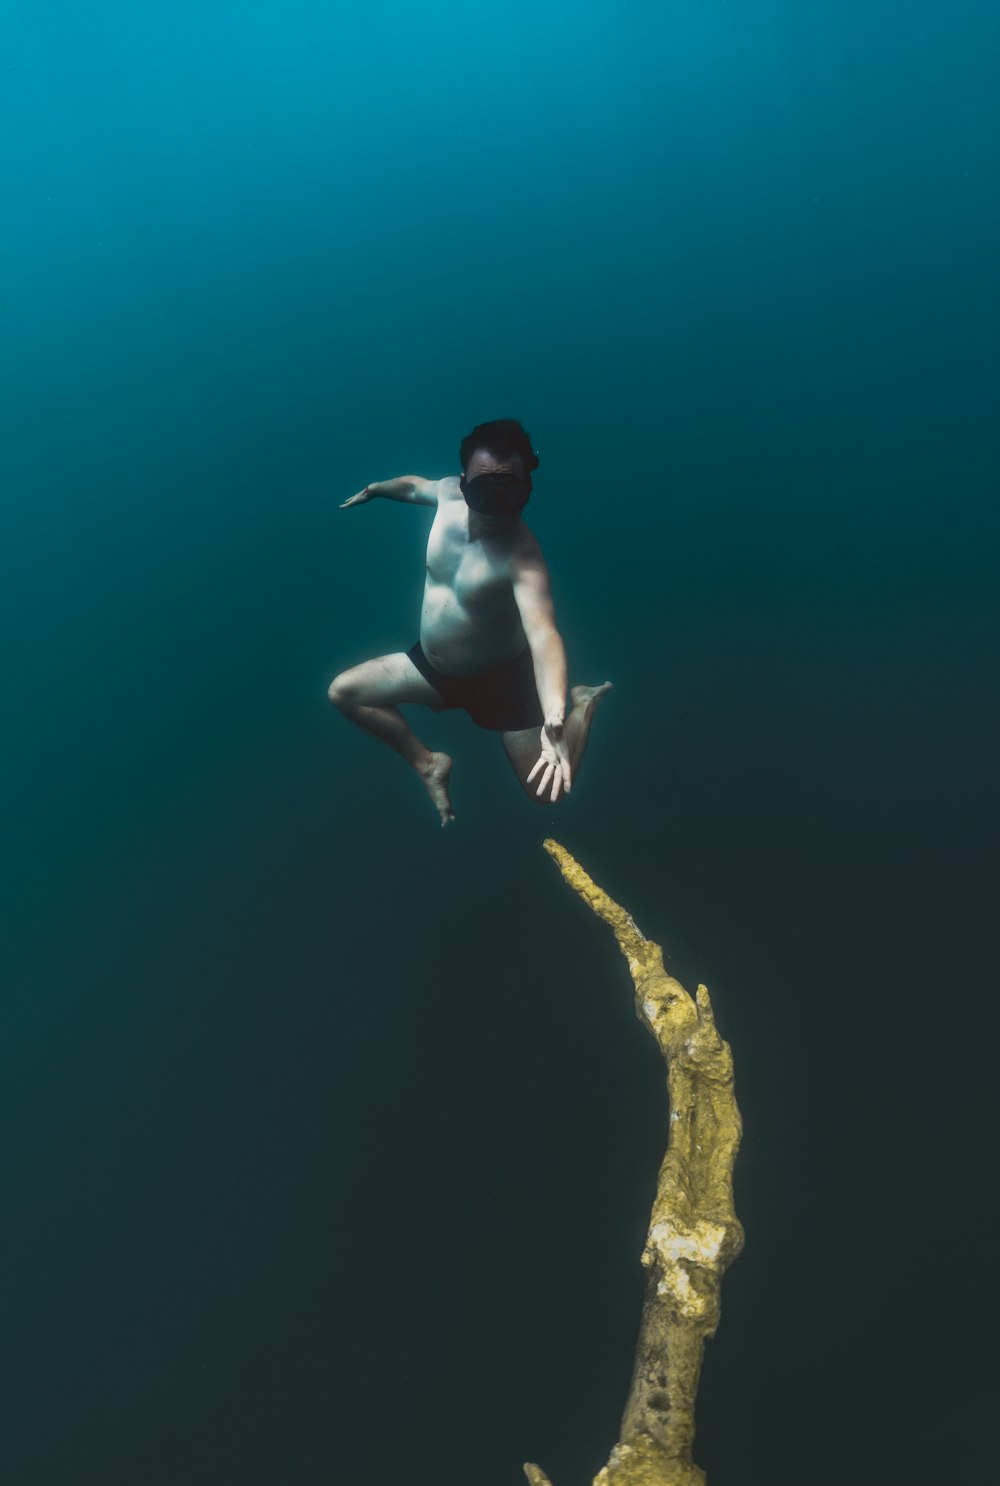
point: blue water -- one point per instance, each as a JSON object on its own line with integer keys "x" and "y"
{"x": 329, "y": 1136}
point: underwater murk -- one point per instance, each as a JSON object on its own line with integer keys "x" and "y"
{"x": 337, "y": 1145}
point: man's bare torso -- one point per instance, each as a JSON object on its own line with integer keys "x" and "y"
{"x": 469, "y": 621}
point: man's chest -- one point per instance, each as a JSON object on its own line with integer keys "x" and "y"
{"x": 473, "y": 570}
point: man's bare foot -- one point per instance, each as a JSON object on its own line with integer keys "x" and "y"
{"x": 589, "y": 696}
{"x": 435, "y": 778}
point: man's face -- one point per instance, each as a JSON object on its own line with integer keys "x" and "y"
{"x": 485, "y": 462}
{"x": 495, "y": 490}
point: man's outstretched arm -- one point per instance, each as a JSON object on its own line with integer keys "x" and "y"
{"x": 413, "y": 489}
{"x": 533, "y": 595}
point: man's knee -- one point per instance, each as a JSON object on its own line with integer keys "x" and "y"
{"x": 531, "y": 790}
{"x": 530, "y": 787}
{"x": 342, "y": 692}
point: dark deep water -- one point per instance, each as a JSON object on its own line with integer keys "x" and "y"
{"x": 329, "y": 1137}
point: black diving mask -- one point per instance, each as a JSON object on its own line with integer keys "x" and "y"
{"x": 496, "y": 494}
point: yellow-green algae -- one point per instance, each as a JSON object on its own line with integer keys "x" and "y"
{"x": 694, "y": 1233}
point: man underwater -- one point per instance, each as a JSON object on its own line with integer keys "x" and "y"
{"x": 488, "y": 641}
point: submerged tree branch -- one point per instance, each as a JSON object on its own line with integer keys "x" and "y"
{"x": 694, "y": 1233}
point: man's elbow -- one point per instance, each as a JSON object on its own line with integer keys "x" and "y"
{"x": 425, "y": 492}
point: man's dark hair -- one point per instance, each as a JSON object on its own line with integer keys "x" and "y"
{"x": 503, "y": 437}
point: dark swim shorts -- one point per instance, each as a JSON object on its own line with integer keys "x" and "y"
{"x": 504, "y": 699}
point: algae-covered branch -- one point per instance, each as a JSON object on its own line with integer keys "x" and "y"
{"x": 693, "y": 1232}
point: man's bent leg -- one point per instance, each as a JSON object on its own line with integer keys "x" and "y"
{"x": 584, "y": 699}
{"x": 368, "y": 695}
{"x": 523, "y": 747}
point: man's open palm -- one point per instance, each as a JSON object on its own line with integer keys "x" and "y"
{"x": 552, "y": 763}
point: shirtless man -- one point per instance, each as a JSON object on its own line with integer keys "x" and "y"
{"x": 488, "y": 641}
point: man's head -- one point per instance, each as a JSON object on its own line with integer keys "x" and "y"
{"x": 497, "y": 465}
{"x": 507, "y": 441}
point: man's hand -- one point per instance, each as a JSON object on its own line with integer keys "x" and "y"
{"x": 359, "y": 499}
{"x": 553, "y": 761}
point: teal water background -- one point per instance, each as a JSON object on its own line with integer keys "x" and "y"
{"x": 329, "y": 1137}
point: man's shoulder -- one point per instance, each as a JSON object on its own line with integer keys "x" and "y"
{"x": 526, "y": 545}
{"x": 449, "y": 489}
